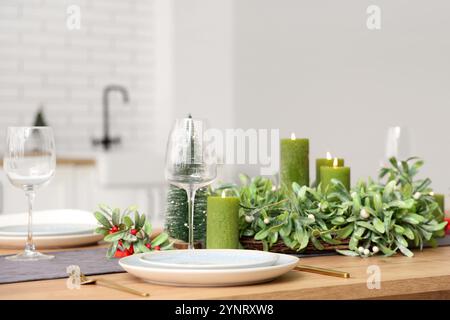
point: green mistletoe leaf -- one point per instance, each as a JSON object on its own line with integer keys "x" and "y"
{"x": 115, "y": 236}
{"x": 147, "y": 227}
{"x": 127, "y": 221}
{"x": 102, "y": 219}
{"x": 160, "y": 239}
{"x": 116, "y": 217}
{"x": 379, "y": 225}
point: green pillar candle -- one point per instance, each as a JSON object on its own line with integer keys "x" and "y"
{"x": 440, "y": 199}
{"x": 339, "y": 173}
{"x": 325, "y": 162}
{"x": 222, "y": 223}
{"x": 294, "y": 161}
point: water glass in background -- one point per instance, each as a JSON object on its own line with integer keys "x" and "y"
{"x": 29, "y": 163}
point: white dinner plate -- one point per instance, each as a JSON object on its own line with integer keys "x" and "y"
{"x": 207, "y": 277}
{"x": 53, "y": 229}
{"x": 50, "y": 229}
{"x": 210, "y": 259}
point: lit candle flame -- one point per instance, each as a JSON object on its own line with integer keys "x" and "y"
{"x": 292, "y": 136}
{"x": 335, "y": 163}
{"x": 329, "y": 156}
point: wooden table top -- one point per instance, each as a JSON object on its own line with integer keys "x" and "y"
{"x": 425, "y": 276}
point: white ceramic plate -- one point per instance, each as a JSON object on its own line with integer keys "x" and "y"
{"x": 207, "y": 277}
{"x": 45, "y": 230}
{"x": 210, "y": 259}
{"x": 55, "y": 229}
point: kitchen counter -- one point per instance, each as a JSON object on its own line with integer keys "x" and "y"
{"x": 69, "y": 161}
{"x": 425, "y": 276}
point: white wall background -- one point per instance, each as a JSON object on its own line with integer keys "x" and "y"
{"x": 203, "y": 66}
{"x": 306, "y": 66}
{"x": 203, "y": 60}
{"x": 313, "y": 67}
{"x": 42, "y": 62}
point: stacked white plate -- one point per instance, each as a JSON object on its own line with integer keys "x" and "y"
{"x": 51, "y": 229}
{"x": 208, "y": 268}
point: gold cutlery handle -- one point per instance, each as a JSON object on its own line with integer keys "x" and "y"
{"x": 116, "y": 286}
{"x": 326, "y": 272}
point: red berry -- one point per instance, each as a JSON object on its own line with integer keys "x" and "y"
{"x": 148, "y": 245}
{"x": 121, "y": 254}
{"x": 133, "y": 232}
{"x": 113, "y": 229}
{"x": 157, "y": 248}
{"x": 130, "y": 250}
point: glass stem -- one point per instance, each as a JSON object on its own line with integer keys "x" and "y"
{"x": 191, "y": 201}
{"x": 29, "y": 246}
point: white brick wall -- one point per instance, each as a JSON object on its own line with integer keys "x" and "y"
{"x": 44, "y": 63}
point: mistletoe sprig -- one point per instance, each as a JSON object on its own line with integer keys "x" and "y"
{"x": 127, "y": 235}
{"x": 385, "y": 217}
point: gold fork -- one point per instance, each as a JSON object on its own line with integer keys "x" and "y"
{"x": 322, "y": 271}
{"x": 110, "y": 284}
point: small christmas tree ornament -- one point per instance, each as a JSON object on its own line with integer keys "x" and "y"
{"x": 177, "y": 216}
{"x": 39, "y": 120}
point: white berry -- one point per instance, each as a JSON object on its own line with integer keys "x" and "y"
{"x": 249, "y": 219}
{"x": 432, "y": 193}
{"x": 366, "y": 252}
{"x": 360, "y": 249}
{"x": 266, "y": 220}
{"x": 364, "y": 214}
{"x": 417, "y": 195}
{"x": 311, "y": 216}
{"x": 375, "y": 249}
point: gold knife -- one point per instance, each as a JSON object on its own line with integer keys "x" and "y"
{"x": 323, "y": 271}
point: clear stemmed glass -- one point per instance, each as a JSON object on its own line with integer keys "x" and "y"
{"x": 398, "y": 143}
{"x": 190, "y": 162}
{"x": 29, "y": 163}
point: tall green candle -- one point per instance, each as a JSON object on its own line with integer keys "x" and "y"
{"x": 222, "y": 223}
{"x": 339, "y": 173}
{"x": 326, "y": 162}
{"x": 440, "y": 199}
{"x": 294, "y": 161}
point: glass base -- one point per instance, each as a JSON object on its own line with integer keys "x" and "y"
{"x": 30, "y": 256}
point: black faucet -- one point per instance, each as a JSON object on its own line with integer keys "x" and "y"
{"x": 108, "y": 141}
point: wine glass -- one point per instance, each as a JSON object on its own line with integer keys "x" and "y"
{"x": 29, "y": 163}
{"x": 398, "y": 144}
{"x": 190, "y": 162}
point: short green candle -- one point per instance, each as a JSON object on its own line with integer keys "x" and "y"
{"x": 322, "y": 162}
{"x": 294, "y": 161}
{"x": 339, "y": 173}
{"x": 222, "y": 223}
{"x": 440, "y": 199}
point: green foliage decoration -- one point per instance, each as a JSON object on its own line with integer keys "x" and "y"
{"x": 128, "y": 232}
{"x": 393, "y": 215}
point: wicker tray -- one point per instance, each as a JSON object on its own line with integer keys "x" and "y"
{"x": 280, "y": 247}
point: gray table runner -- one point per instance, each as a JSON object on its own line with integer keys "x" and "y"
{"x": 91, "y": 261}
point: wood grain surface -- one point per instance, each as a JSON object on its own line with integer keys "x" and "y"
{"x": 425, "y": 276}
